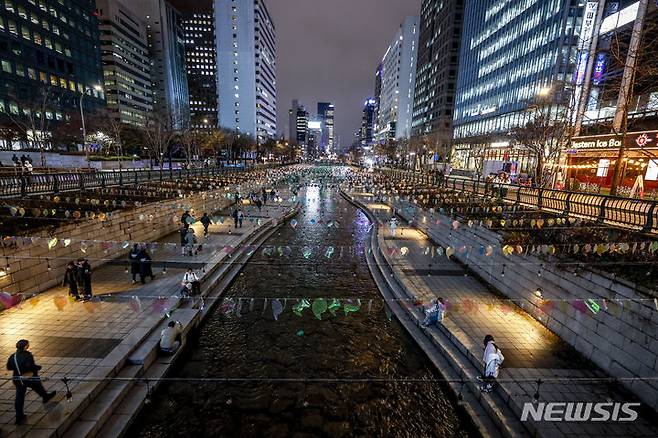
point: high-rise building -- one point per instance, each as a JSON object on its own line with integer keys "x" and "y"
{"x": 166, "y": 38}
{"x": 198, "y": 25}
{"x": 326, "y": 115}
{"x": 367, "y": 131}
{"x": 511, "y": 50}
{"x": 292, "y": 120}
{"x": 301, "y": 127}
{"x": 246, "y": 67}
{"x": 49, "y": 52}
{"x": 378, "y": 92}
{"x": 314, "y": 137}
{"x": 397, "y": 78}
{"x": 436, "y": 70}
{"x": 126, "y": 61}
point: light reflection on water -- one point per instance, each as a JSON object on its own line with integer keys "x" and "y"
{"x": 360, "y": 345}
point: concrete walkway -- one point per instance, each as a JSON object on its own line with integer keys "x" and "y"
{"x": 93, "y": 339}
{"x": 531, "y": 351}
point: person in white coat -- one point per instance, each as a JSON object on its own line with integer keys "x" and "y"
{"x": 492, "y": 358}
{"x": 171, "y": 337}
{"x": 393, "y": 225}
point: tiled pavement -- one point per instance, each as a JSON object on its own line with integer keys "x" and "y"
{"x": 79, "y": 339}
{"x": 531, "y": 351}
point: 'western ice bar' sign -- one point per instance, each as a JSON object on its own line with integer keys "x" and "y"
{"x": 634, "y": 140}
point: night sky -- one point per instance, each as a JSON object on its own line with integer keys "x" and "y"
{"x": 328, "y": 50}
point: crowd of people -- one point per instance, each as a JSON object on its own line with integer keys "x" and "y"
{"x": 78, "y": 278}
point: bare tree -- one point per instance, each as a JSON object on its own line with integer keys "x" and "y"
{"x": 159, "y": 134}
{"x": 190, "y": 139}
{"x": 545, "y": 135}
{"x": 34, "y": 119}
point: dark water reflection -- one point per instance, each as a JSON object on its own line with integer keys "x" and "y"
{"x": 365, "y": 344}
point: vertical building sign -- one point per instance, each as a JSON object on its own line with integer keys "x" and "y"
{"x": 586, "y": 33}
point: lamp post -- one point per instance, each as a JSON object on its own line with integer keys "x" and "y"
{"x": 82, "y": 117}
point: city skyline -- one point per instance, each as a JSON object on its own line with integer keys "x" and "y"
{"x": 325, "y": 55}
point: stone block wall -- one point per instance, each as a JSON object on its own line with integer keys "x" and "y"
{"x": 29, "y": 263}
{"x": 622, "y": 338}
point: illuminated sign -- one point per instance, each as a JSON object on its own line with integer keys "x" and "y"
{"x": 599, "y": 68}
{"x": 619, "y": 19}
{"x": 315, "y": 125}
{"x": 634, "y": 140}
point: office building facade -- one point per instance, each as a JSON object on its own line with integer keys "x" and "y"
{"x": 126, "y": 62}
{"x": 436, "y": 71}
{"x": 166, "y": 38}
{"x": 52, "y": 51}
{"x": 301, "y": 128}
{"x": 397, "y": 77}
{"x": 366, "y": 135}
{"x": 198, "y": 24}
{"x": 510, "y": 52}
{"x": 326, "y": 115}
{"x": 605, "y": 61}
{"x": 246, "y": 67}
{"x": 292, "y": 120}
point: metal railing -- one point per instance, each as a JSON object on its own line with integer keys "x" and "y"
{"x": 52, "y": 183}
{"x": 636, "y": 214}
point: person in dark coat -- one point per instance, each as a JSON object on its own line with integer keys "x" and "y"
{"x": 235, "y": 217}
{"x": 85, "y": 277}
{"x": 146, "y": 269}
{"x": 264, "y": 193}
{"x": 183, "y": 237}
{"x": 184, "y": 217}
{"x": 25, "y": 375}
{"x": 71, "y": 278}
{"x": 135, "y": 265}
{"x": 205, "y": 221}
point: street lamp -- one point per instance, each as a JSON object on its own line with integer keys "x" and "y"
{"x": 82, "y": 116}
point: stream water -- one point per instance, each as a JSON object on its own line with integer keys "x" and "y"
{"x": 362, "y": 345}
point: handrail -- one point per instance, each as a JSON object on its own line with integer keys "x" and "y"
{"x": 636, "y": 214}
{"x": 24, "y": 185}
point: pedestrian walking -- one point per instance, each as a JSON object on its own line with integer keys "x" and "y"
{"x": 145, "y": 265}
{"x": 235, "y": 217}
{"x": 492, "y": 359}
{"x": 71, "y": 278}
{"x": 240, "y": 217}
{"x": 190, "y": 241}
{"x": 259, "y": 204}
{"x": 205, "y": 221}
{"x": 25, "y": 375}
{"x": 135, "y": 266}
{"x": 393, "y": 225}
{"x": 184, "y": 217}
{"x": 183, "y": 237}
{"x": 264, "y": 193}
{"x": 85, "y": 277}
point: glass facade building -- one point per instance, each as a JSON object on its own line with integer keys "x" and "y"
{"x": 510, "y": 50}
{"x": 436, "y": 71}
{"x": 49, "y": 49}
{"x": 200, "y": 60}
{"x": 126, "y": 62}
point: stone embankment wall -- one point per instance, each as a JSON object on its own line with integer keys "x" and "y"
{"x": 33, "y": 267}
{"x": 622, "y": 338}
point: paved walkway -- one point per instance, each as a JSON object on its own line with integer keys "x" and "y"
{"x": 531, "y": 351}
{"x": 91, "y": 339}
